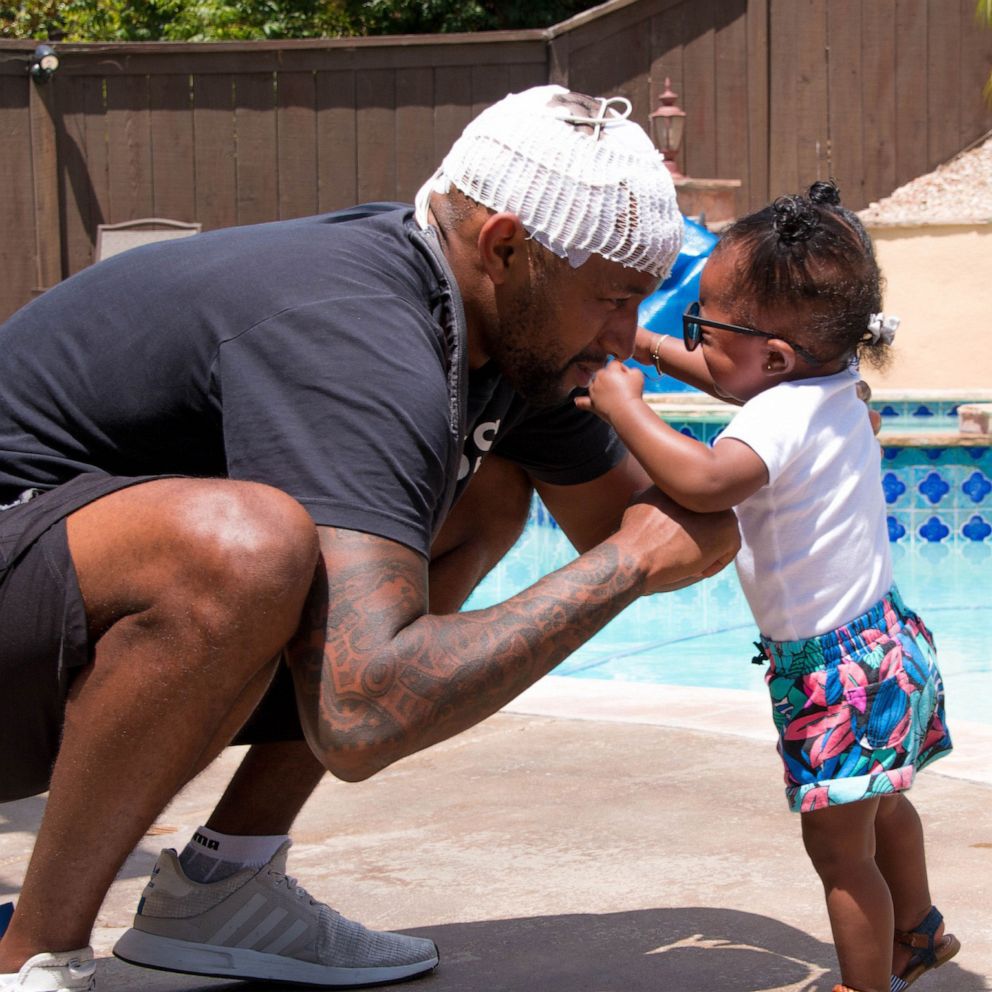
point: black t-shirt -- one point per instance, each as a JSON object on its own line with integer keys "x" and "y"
{"x": 312, "y": 355}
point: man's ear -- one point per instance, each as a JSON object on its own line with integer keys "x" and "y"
{"x": 780, "y": 359}
{"x": 502, "y": 246}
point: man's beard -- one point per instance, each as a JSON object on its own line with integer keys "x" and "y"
{"x": 523, "y": 350}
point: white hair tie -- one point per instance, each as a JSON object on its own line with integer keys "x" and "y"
{"x": 882, "y": 327}
{"x": 605, "y": 103}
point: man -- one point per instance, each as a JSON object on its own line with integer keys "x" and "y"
{"x": 308, "y": 441}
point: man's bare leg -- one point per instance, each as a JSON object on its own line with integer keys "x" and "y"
{"x": 274, "y": 781}
{"x": 191, "y": 588}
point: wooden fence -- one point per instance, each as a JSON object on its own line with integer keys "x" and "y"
{"x": 777, "y": 92}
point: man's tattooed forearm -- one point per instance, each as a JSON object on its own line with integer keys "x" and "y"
{"x": 384, "y": 675}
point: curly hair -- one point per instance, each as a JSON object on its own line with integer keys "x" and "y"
{"x": 811, "y": 257}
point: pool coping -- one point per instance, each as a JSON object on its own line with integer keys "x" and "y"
{"x": 975, "y": 404}
{"x": 733, "y": 712}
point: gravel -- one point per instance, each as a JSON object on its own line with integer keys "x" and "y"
{"x": 958, "y": 192}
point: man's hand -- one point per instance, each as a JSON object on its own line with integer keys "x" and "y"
{"x": 677, "y": 547}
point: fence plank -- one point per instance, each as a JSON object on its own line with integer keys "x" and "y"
{"x": 559, "y": 60}
{"x": 171, "y": 147}
{"x": 878, "y": 100}
{"x": 129, "y": 184}
{"x": 451, "y": 109}
{"x": 783, "y": 87}
{"x": 82, "y": 143}
{"x": 912, "y": 121}
{"x": 698, "y": 96}
{"x": 215, "y": 152}
{"x": 756, "y": 192}
{"x": 337, "y": 170}
{"x": 730, "y": 87}
{"x": 943, "y": 80}
{"x": 811, "y": 132}
{"x": 668, "y": 38}
{"x": 253, "y": 134}
{"x": 846, "y": 131}
{"x": 524, "y": 75}
{"x": 613, "y": 63}
{"x": 489, "y": 84}
{"x": 414, "y": 131}
{"x": 23, "y": 206}
{"x": 296, "y": 131}
{"x": 376, "y": 150}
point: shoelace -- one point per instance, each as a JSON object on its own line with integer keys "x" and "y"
{"x": 293, "y": 886}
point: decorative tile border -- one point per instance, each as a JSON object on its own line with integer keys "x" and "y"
{"x": 937, "y": 495}
{"x": 937, "y": 484}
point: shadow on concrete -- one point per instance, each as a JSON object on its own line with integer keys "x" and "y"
{"x": 24, "y": 816}
{"x": 654, "y": 950}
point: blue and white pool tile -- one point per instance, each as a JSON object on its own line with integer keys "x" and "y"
{"x": 934, "y": 487}
{"x": 900, "y": 527}
{"x": 977, "y": 487}
{"x": 894, "y": 488}
{"x": 935, "y": 529}
{"x": 978, "y": 527}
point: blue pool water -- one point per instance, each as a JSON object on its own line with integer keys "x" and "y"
{"x": 702, "y": 636}
{"x": 939, "y": 509}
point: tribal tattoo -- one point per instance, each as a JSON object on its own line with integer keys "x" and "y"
{"x": 378, "y": 678}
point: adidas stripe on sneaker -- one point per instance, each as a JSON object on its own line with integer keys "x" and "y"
{"x": 260, "y": 924}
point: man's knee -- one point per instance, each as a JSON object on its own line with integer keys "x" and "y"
{"x": 254, "y": 533}
{"x": 225, "y": 548}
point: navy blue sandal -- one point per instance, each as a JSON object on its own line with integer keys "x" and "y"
{"x": 928, "y": 953}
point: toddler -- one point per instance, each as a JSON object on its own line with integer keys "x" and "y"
{"x": 790, "y": 301}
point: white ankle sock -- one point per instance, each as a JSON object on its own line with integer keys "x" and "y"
{"x": 211, "y": 856}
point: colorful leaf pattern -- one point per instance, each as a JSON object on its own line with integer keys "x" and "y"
{"x": 858, "y": 710}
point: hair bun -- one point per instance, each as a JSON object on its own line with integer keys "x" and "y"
{"x": 795, "y": 219}
{"x": 825, "y": 191}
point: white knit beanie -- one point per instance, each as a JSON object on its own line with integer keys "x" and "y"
{"x": 581, "y": 185}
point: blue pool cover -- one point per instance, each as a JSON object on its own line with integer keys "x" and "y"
{"x": 662, "y": 310}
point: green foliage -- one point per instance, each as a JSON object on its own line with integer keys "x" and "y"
{"x": 984, "y": 13}
{"x": 440, "y": 16}
{"x": 219, "y": 20}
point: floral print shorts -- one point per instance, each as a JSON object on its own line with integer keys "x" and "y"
{"x": 859, "y": 709}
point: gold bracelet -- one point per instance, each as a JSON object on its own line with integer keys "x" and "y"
{"x": 655, "y": 356}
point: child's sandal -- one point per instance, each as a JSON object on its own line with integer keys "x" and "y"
{"x": 928, "y": 953}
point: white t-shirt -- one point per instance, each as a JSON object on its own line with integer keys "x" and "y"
{"x": 815, "y": 546}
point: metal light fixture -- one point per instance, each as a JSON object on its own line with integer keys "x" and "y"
{"x": 667, "y": 127}
{"x": 44, "y": 62}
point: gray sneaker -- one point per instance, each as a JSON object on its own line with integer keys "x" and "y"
{"x": 66, "y": 971}
{"x": 259, "y": 924}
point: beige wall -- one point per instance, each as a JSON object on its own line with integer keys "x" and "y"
{"x": 939, "y": 281}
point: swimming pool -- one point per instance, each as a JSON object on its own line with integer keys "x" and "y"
{"x": 940, "y": 524}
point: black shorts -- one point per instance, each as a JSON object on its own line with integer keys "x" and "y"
{"x": 44, "y": 640}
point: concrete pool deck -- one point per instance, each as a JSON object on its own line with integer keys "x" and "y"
{"x": 586, "y": 839}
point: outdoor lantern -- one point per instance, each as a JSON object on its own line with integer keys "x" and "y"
{"x": 44, "y": 62}
{"x": 667, "y": 126}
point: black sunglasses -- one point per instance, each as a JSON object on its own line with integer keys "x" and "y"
{"x": 692, "y": 332}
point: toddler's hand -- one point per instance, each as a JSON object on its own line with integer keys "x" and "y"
{"x": 611, "y": 388}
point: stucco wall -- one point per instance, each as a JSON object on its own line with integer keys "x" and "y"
{"x": 939, "y": 281}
